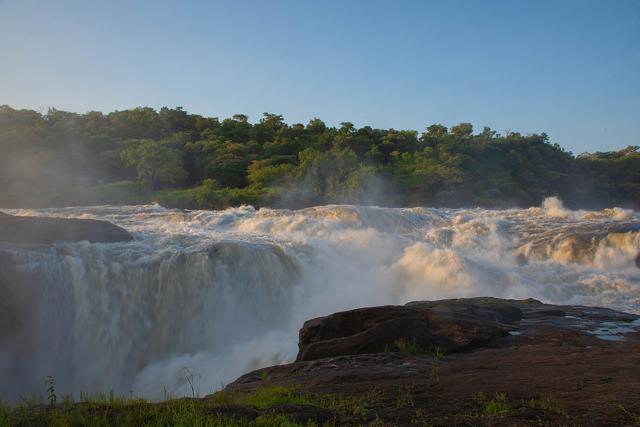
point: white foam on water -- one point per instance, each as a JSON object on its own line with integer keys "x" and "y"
{"x": 214, "y": 294}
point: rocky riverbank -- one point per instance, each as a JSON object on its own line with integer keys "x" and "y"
{"x": 479, "y": 361}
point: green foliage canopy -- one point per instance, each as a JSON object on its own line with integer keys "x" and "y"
{"x": 188, "y": 160}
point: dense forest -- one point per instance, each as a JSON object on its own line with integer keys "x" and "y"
{"x": 187, "y": 160}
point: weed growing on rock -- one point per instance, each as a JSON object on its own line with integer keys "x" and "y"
{"x": 405, "y": 397}
{"x": 351, "y": 408}
{"x": 498, "y": 406}
{"x": 51, "y": 390}
{"x": 547, "y": 404}
{"x": 403, "y": 346}
{"x": 437, "y": 355}
{"x": 189, "y": 379}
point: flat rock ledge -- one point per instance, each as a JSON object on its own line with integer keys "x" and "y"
{"x": 477, "y": 361}
{"x": 41, "y": 230}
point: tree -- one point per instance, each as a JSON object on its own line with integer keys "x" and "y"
{"x": 272, "y": 121}
{"x": 334, "y": 176}
{"x": 139, "y": 123}
{"x": 426, "y": 173}
{"x": 394, "y": 141}
{"x": 156, "y": 164}
{"x": 435, "y": 131}
{"x": 488, "y": 133}
{"x": 264, "y": 174}
{"x": 66, "y": 158}
{"x": 316, "y": 125}
{"x": 172, "y": 120}
{"x": 221, "y": 159}
{"x": 346, "y": 127}
{"x": 462, "y": 130}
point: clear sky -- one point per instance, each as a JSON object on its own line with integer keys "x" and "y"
{"x": 570, "y": 68}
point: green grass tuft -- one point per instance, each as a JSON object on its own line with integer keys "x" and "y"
{"x": 498, "y": 406}
{"x": 265, "y": 397}
{"x": 547, "y": 404}
{"x": 405, "y": 397}
{"x": 5, "y": 415}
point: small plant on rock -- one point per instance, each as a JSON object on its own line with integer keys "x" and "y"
{"x": 498, "y": 406}
{"x": 547, "y": 404}
{"x": 406, "y": 347}
{"x": 51, "y": 390}
{"x": 437, "y": 354}
{"x": 405, "y": 397}
{"x": 189, "y": 379}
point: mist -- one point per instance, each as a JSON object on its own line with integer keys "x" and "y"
{"x": 214, "y": 294}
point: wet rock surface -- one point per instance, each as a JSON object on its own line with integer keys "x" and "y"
{"x": 39, "y": 230}
{"x": 545, "y": 364}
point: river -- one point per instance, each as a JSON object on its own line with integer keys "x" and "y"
{"x": 201, "y": 297}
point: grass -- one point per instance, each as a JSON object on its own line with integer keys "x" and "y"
{"x": 179, "y": 413}
{"x": 111, "y": 409}
{"x": 497, "y": 406}
{"x": 437, "y": 355}
{"x": 262, "y": 397}
{"x": 5, "y": 415}
{"x": 109, "y": 399}
{"x": 352, "y": 408}
{"x": 403, "y": 346}
{"x": 259, "y": 407}
{"x": 487, "y": 408}
{"x": 51, "y": 390}
{"x": 547, "y": 404}
{"x": 405, "y": 397}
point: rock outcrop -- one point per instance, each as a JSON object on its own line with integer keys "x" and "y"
{"x": 39, "y": 230}
{"x": 451, "y": 326}
{"x": 478, "y": 361}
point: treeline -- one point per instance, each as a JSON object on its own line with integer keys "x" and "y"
{"x": 187, "y": 160}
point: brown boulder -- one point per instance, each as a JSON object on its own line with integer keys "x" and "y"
{"x": 450, "y": 325}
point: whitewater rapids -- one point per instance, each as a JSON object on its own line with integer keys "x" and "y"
{"x": 201, "y": 297}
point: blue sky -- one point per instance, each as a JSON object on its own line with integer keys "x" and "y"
{"x": 569, "y": 68}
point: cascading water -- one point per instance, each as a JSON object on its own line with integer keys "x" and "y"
{"x": 205, "y": 296}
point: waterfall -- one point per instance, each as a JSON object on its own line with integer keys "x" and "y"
{"x": 213, "y": 294}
